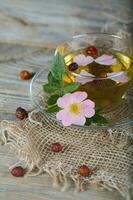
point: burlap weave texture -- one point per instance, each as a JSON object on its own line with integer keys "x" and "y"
{"x": 109, "y": 153}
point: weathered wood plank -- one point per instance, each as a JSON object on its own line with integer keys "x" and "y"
{"x": 47, "y": 23}
{"x": 13, "y": 91}
{"x": 43, "y": 24}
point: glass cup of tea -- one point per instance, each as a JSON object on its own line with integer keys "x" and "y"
{"x": 102, "y": 64}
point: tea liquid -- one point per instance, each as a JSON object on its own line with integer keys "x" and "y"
{"x": 104, "y": 91}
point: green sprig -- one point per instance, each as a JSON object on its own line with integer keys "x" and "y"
{"x": 55, "y": 86}
{"x": 52, "y": 108}
{"x": 58, "y": 67}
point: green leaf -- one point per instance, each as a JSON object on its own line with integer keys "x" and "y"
{"x": 52, "y": 99}
{"x": 99, "y": 119}
{"x": 58, "y": 67}
{"x": 52, "y": 108}
{"x": 98, "y": 110}
{"x": 88, "y": 121}
{"x": 50, "y": 88}
{"x": 52, "y": 80}
{"x": 71, "y": 87}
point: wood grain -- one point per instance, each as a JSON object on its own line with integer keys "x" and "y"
{"x": 29, "y": 32}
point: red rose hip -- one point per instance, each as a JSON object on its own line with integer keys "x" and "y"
{"x": 18, "y": 171}
{"x": 56, "y": 147}
{"x": 84, "y": 170}
{"x": 92, "y": 51}
{"x": 103, "y": 74}
{"x": 24, "y": 75}
{"x": 21, "y": 113}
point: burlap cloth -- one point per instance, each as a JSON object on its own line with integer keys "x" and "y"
{"x": 108, "y": 152}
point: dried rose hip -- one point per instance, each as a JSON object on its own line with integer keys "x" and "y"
{"x": 84, "y": 170}
{"x": 18, "y": 171}
{"x": 21, "y": 113}
{"x": 103, "y": 74}
{"x": 73, "y": 66}
{"x": 92, "y": 51}
{"x": 25, "y": 75}
{"x": 56, "y": 147}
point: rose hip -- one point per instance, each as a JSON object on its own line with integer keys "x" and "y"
{"x": 84, "y": 170}
{"x": 18, "y": 171}
{"x": 103, "y": 74}
{"x": 91, "y": 51}
{"x": 73, "y": 67}
{"x": 21, "y": 113}
{"x": 56, "y": 147}
{"x": 25, "y": 75}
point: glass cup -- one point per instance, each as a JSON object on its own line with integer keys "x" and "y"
{"x": 106, "y": 91}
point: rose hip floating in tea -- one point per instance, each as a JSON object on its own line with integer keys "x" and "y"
{"x": 91, "y": 51}
{"x": 103, "y": 74}
{"x": 73, "y": 66}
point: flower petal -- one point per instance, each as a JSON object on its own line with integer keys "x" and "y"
{"x": 87, "y": 77}
{"x": 85, "y": 73}
{"x": 79, "y": 120}
{"x": 89, "y": 59}
{"x": 106, "y": 60}
{"x": 88, "y": 103}
{"x": 65, "y": 117}
{"x": 79, "y": 96}
{"x": 82, "y": 60}
{"x": 63, "y": 102}
{"x": 84, "y": 80}
{"x": 120, "y": 76}
{"x": 87, "y": 108}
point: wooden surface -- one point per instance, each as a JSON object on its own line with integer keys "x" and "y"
{"x": 37, "y": 26}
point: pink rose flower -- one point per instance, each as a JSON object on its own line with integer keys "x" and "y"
{"x": 75, "y": 109}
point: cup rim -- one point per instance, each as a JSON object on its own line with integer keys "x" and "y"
{"x": 97, "y": 33}
{"x": 87, "y": 34}
{"x": 93, "y": 33}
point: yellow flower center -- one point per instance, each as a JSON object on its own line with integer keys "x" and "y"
{"x": 74, "y": 108}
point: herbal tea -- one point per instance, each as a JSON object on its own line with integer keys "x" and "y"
{"x": 105, "y": 75}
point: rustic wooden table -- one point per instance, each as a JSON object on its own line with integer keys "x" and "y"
{"x": 29, "y": 33}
